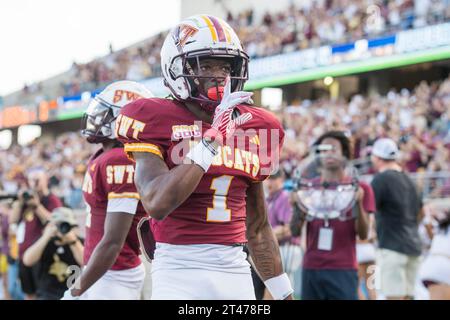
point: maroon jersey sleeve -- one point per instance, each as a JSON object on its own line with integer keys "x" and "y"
{"x": 142, "y": 127}
{"x": 270, "y": 140}
{"x": 117, "y": 179}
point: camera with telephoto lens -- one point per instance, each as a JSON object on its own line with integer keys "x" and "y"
{"x": 64, "y": 227}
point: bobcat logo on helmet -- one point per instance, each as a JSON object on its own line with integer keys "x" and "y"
{"x": 99, "y": 118}
{"x": 200, "y": 36}
{"x": 182, "y": 33}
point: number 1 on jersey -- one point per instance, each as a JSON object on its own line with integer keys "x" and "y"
{"x": 219, "y": 212}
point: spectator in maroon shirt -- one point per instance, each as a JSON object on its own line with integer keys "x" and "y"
{"x": 31, "y": 212}
{"x": 329, "y": 263}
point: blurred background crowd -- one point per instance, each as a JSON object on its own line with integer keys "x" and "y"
{"x": 297, "y": 27}
{"x": 416, "y": 118}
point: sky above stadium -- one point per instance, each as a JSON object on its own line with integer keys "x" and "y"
{"x": 40, "y": 39}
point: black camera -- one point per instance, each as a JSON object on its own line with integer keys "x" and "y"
{"x": 64, "y": 227}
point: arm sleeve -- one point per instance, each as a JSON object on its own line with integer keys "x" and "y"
{"x": 270, "y": 148}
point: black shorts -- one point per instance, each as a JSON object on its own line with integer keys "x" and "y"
{"x": 258, "y": 285}
{"x": 329, "y": 284}
{"x": 28, "y": 278}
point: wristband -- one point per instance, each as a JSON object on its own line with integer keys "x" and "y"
{"x": 202, "y": 154}
{"x": 279, "y": 287}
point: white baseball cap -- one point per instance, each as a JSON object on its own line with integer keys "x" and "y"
{"x": 63, "y": 214}
{"x": 385, "y": 148}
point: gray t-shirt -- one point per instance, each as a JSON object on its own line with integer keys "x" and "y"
{"x": 398, "y": 205}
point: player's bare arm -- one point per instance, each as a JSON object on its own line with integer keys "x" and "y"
{"x": 262, "y": 244}
{"x": 117, "y": 227}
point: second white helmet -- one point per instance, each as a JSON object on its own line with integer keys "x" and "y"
{"x": 99, "y": 118}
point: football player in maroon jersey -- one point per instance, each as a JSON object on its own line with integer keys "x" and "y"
{"x": 201, "y": 158}
{"x": 113, "y": 269}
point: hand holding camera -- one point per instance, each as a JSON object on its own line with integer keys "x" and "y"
{"x": 65, "y": 224}
{"x": 61, "y": 230}
{"x": 67, "y": 232}
{"x": 29, "y": 198}
{"x": 50, "y": 230}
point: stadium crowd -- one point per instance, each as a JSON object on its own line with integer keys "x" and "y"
{"x": 315, "y": 23}
{"x": 63, "y": 158}
{"x": 417, "y": 120}
{"x": 311, "y": 24}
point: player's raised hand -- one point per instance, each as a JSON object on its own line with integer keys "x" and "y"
{"x": 223, "y": 125}
{"x": 230, "y": 100}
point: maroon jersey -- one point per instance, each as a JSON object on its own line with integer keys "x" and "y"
{"x": 109, "y": 187}
{"x": 343, "y": 251}
{"x": 215, "y": 212}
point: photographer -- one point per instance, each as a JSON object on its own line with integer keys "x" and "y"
{"x": 329, "y": 262}
{"x": 53, "y": 253}
{"x": 31, "y": 212}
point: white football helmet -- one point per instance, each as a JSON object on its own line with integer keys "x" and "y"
{"x": 200, "y": 36}
{"x": 99, "y": 118}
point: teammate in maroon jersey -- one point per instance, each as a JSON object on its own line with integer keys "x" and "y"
{"x": 113, "y": 269}
{"x": 200, "y": 162}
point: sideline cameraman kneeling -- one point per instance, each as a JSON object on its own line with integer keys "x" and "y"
{"x": 30, "y": 213}
{"x": 58, "y": 248}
